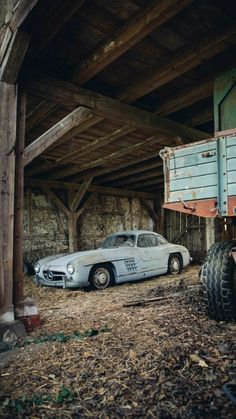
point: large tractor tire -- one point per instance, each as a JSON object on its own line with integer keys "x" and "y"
{"x": 219, "y": 281}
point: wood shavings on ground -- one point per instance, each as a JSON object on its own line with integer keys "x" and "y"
{"x": 164, "y": 359}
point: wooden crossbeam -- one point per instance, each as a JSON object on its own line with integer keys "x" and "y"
{"x": 83, "y": 126}
{"x": 48, "y": 184}
{"x": 153, "y": 181}
{"x": 181, "y": 61}
{"x": 80, "y": 194}
{"x": 42, "y": 110}
{"x": 63, "y": 92}
{"x": 61, "y": 173}
{"x": 126, "y": 37}
{"x": 38, "y": 146}
{"x": 54, "y": 198}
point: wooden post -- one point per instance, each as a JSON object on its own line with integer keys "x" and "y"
{"x": 72, "y": 227}
{"x": 8, "y": 105}
{"x": 210, "y": 232}
{"x": 18, "y": 275}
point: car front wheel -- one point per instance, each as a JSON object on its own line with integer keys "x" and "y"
{"x": 174, "y": 264}
{"x": 101, "y": 277}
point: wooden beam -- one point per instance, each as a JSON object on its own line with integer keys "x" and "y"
{"x": 62, "y": 173}
{"x": 80, "y": 194}
{"x": 18, "y": 271}
{"x": 14, "y": 57}
{"x": 86, "y": 204}
{"x": 143, "y": 23}
{"x": 41, "y": 183}
{"x": 41, "y": 144}
{"x": 8, "y": 106}
{"x": 20, "y": 13}
{"x": 54, "y": 198}
{"x": 181, "y": 61}
{"x": 60, "y": 91}
{"x": 72, "y": 232}
{"x": 150, "y": 210}
{"x": 44, "y": 166}
{"x": 153, "y": 181}
{"x": 40, "y": 112}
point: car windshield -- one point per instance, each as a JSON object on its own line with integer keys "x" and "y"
{"x": 118, "y": 241}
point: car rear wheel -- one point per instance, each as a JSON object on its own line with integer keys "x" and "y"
{"x": 174, "y": 264}
{"x": 101, "y": 277}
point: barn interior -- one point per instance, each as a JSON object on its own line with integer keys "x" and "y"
{"x": 91, "y": 91}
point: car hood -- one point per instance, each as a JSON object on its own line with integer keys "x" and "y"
{"x": 87, "y": 257}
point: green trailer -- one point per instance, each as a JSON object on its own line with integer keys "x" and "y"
{"x": 200, "y": 179}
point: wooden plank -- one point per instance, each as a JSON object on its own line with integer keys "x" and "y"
{"x": 61, "y": 173}
{"x": 181, "y": 61}
{"x": 154, "y": 181}
{"x": 20, "y": 13}
{"x": 54, "y": 198}
{"x": 18, "y": 271}
{"x": 80, "y": 194}
{"x": 190, "y": 195}
{"x": 8, "y": 105}
{"x": 96, "y": 144}
{"x": 61, "y": 92}
{"x": 57, "y": 131}
{"x": 48, "y": 184}
{"x": 14, "y": 57}
{"x": 42, "y": 110}
{"x": 140, "y": 176}
{"x": 135, "y": 168}
{"x": 126, "y": 37}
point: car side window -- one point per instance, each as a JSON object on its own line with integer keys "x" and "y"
{"x": 161, "y": 240}
{"x": 147, "y": 240}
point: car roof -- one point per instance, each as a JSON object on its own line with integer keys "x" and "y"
{"x": 135, "y": 232}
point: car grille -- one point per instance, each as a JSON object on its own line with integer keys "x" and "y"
{"x": 53, "y": 275}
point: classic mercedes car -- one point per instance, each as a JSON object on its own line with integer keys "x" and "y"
{"x": 122, "y": 257}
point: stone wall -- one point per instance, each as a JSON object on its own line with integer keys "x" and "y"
{"x": 46, "y": 228}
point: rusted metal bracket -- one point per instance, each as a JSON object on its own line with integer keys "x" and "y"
{"x": 187, "y": 206}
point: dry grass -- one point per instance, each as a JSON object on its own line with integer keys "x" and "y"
{"x": 163, "y": 360}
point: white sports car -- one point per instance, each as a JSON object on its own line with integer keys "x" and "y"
{"x": 122, "y": 257}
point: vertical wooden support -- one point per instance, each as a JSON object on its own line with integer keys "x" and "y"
{"x": 72, "y": 227}
{"x": 8, "y": 105}
{"x": 210, "y": 232}
{"x": 18, "y": 275}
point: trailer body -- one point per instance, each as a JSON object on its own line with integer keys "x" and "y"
{"x": 200, "y": 178}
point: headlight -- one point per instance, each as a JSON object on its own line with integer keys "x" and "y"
{"x": 70, "y": 268}
{"x": 37, "y": 268}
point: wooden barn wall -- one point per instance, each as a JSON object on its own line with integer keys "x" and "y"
{"x": 187, "y": 230}
{"x": 190, "y": 231}
{"x": 46, "y": 228}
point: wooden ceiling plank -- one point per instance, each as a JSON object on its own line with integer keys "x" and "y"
{"x": 96, "y": 144}
{"x": 20, "y": 13}
{"x": 135, "y": 178}
{"x": 49, "y": 184}
{"x": 93, "y": 163}
{"x": 131, "y": 171}
{"x": 43, "y": 109}
{"x": 38, "y": 146}
{"x": 146, "y": 21}
{"x": 181, "y": 61}
{"x": 80, "y": 194}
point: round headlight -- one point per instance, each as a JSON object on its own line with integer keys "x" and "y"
{"x": 70, "y": 268}
{"x": 37, "y": 268}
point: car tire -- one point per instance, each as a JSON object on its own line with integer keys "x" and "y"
{"x": 101, "y": 276}
{"x": 175, "y": 264}
{"x": 218, "y": 277}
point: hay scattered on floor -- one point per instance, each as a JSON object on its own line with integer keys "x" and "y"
{"x": 163, "y": 360}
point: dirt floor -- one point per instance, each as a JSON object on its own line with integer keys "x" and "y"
{"x": 93, "y": 357}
